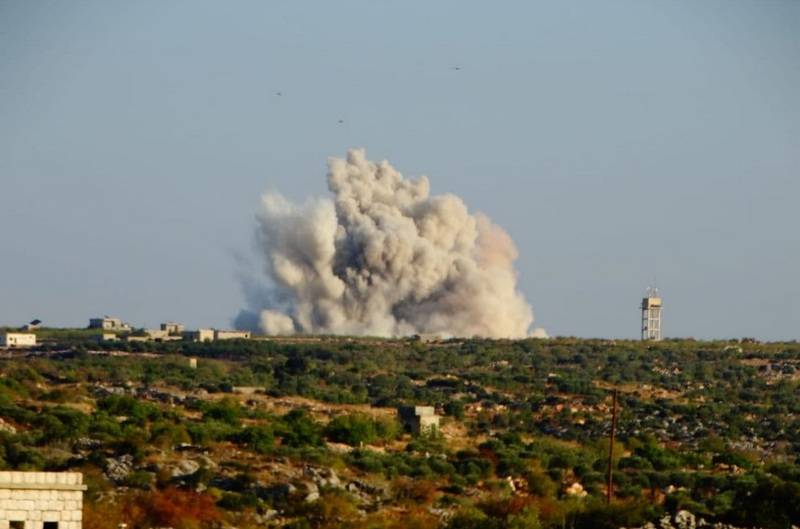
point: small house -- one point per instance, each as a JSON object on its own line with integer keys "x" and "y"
{"x": 418, "y": 419}
{"x": 12, "y": 340}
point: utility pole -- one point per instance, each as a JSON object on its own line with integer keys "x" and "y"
{"x": 610, "y": 474}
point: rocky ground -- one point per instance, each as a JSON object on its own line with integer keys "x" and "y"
{"x": 687, "y": 520}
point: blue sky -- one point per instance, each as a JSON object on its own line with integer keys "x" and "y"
{"x": 616, "y": 141}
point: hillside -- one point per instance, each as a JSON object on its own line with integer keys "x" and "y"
{"x": 304, "y": 433}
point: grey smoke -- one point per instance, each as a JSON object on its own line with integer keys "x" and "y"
{"x": 383, "y": 258}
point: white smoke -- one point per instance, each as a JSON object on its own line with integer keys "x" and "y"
{"x": 384, "y": 258}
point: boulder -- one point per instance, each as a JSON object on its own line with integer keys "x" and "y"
{"x": 207, "y": 462}
{"x": 277, "y": 493}
{"x": 117, "y": 469}
{"x": 5, "y": 427}
{"x": 87, "y": 443}
{"x": 312, "y": 497}
{"x": 324, "y": 477}
{"x": 685, "y": 520}
{"x": 184, "y": 467}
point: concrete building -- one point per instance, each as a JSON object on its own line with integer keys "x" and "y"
{"x": 418, "y": 419}
{"x": 173, "y": 328}
{"x": 41, "y": 500}
{"x": 651, "y": 316}
{"x": 156, "y": 334}
{"x": 109, "y": 324}
{"x": 153, "y": 335}
{"x": 31, "y": 325}
{"x": 210, "y": 335}
{"x": 231, "y": 335}
{"x": 12, "y": 340}
{"x": 200, "y": 335}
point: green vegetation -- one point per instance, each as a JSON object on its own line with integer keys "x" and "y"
{"x": 712, "y": 427}
{"x": 359, "y": 429}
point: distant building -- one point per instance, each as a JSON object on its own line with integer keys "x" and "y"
{"x": 418, "y": 419}
{"x": 200, "y": 335}
{"x": 41, "y": 500}
{"x": 247, "y": 390}
{"x": 651, "y": 316}
{"x": 12, "y": 340}
{"x": 231, "y": 335}
{"x": 427, "y": 337}
{"x": 106, "y": 337}
{"x": 109, "y": 324}
{"x": 32, "y": 325}
{"x": 156, "y": 334}
{"x": 173, "y": 328}
{"x": 193, "y": 363}
{"x": 153, "y": 335}
{"x": 210, "y": 335}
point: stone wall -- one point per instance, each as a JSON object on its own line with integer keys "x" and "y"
{"x": 35, "y": 498}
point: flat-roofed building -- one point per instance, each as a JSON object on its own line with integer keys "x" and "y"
{"x": 13, "y": 340}
{"x": 231, "y": 335}
{"x": 173, "y": 328}
{"x": 418, "y": 419}
{"x": 32, "y": 325}
{"x": 200, "y": 335}
{"x": 109, "y": 324}
{"x": 41, "y": 500}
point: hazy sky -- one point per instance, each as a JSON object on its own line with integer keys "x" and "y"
{"x": 616, "y": 141}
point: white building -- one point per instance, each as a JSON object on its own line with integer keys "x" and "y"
{"x": 211, "y": 335}
{"x": 32, "y": 325}
{"x": 173, "y": 328}
{"x": 231, "y": 335}
{"x": 41, "y": 500}
{"x": 200, "y": 335}
{"x": 651, "y": 316}
{"x": 17, "y": 339}
{"x": 109, "y": 324}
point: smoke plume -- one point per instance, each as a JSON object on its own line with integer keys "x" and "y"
{"x": 383, "y": 258}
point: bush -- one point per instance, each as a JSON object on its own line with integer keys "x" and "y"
{"x": 61, "y": 424}
{"x": 354, "y": 429}
{"x": 298, "y": 429}
{"x": 259, "y": 438}
{"x": 139, "y": 479}
{"x": 135, "y": 411}
{"x": 358, "y": 428}
{"x": 172, "y": 507}
{"x": 454, "y": 408}
{"x": 233, "y": 501}
{"x": 227, "y": 410}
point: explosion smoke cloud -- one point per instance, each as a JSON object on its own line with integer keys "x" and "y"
{"x": 383, "y": 258}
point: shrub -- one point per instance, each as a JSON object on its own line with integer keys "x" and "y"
{"x": 298, "y": 429}
{"x": 227, "y": 410}
{"x": 172, "y": 507}
{"x": 260, "y": 438}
